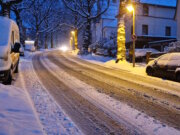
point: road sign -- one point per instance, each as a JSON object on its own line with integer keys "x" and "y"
{"x": 134, "y": 37}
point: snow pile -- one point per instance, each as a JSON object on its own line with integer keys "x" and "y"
{"x": 111, "y": 44}
{"x": 16, "y": 113}
{"x": 111, "y": 62}
{"x": 174, "y": 47}
{"x": 95, "y": 58}
{"x": 105, "y": 47}
{"x": 142, "y": 52}
{"x": 126, "y": 66}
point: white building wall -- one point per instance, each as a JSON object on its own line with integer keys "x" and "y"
{"x": 98, "y": 31}
{"x": 107, "y": 22}
{"x": 178, "y": 20}
{"x": 157, "y": 20}
{"x": 157, "y": 11}
{"x": 156, "y": 26}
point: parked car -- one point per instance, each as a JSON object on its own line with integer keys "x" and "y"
{"x": 167, "y": 65}
{"x": 9, "y": 50}
{"x": 103, "y": 52}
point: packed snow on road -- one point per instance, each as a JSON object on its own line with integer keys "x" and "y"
{"x": 29, "y": 107}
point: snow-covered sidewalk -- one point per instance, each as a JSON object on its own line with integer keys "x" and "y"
{"x": 16, "y": 113}
{"x": 111, "y": 62}
{"x": 51, "y": 116}
{"x": 139, "y": 70}
{"x": 119, "y": 111}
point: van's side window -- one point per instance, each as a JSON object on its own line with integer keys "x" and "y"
{"x": 12, "y": 38}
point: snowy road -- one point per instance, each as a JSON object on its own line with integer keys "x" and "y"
{"x": 101, "y": 100}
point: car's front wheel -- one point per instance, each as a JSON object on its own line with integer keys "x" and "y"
{"x": 150, "y": 71}
{"x": 9, "y": 79}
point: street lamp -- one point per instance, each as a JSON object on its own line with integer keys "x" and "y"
{"x": 73, "y": 33}
{"x": 72, "y": 39}
{"x": 130, "y": 8}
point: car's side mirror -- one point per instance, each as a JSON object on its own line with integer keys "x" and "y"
{"x": 16, "y": 47}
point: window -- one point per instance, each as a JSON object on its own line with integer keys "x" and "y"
{"x": 144, "y": 29}
{"x": 145, "y": 10}
{"x": 168, "y": 31}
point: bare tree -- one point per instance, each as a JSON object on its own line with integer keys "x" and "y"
{"x": 40, "y": 11}
{"x": 18, "y": 10}
{"x": 87, "y": 9}
{"x": 6, "y": 6}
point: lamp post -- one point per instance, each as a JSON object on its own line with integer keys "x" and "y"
{"x": 75, "y": 37}
{"x": 130, "y": 8}
{"x": 71, "y": 43}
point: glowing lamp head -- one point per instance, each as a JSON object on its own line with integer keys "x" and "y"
{"x": 72, "y": 32}
{"x": 130, "y": 8}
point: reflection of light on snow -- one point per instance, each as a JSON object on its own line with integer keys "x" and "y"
{"x": 63, "y": 48}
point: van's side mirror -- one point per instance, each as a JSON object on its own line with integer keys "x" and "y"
{"x": 16, "y": 47}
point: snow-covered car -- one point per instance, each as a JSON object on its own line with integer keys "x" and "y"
{"x": 167, "y": 65}
{"x": 9, "y": 50}
{"x": 141, "y": 53}
{"x": 103, "y": 52}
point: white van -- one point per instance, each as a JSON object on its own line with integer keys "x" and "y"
{"x": 29, "y": 45}
{"x": 9, "y": 49}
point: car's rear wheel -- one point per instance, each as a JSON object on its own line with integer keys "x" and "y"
{"x": 178, "y": 77}
{"x": 9, "y": 79}
{"x": 150, "y": 71}
{"x": 17, "y": 67}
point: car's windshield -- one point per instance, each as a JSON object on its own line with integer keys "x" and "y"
{"x": 4, "y": 32}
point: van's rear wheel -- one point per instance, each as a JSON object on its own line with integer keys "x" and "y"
{"x": 9, "y": 79}
{"x": 17, "y": 68}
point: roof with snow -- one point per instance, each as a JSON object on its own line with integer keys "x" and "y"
{"x": 167, "y": 3}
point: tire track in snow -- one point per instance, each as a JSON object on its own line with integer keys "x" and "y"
{"x": 133, "y": 99}
{"x": 90, "y": 119}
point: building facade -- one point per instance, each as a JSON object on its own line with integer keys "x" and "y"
{"x": 178, "y": 19}
{"x": 106, "y": 26}
{"x": 154, "y": 22}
